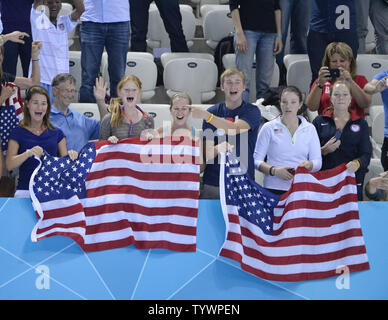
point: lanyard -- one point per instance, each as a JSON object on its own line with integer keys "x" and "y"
{"x": 129, "y": 119}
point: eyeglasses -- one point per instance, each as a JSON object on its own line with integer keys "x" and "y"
{"x": 68, "y": 90}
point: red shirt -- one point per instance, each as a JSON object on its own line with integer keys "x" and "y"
{"x": 325, "y": 96}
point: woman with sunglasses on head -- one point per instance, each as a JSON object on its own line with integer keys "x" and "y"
{"x": 125, "y": 119}
{"x": 33, "y": 137}
{"x": 344, "y": 135}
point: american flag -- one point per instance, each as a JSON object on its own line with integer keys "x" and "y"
{"x": 134, "y": 192}
{"x": 308, "y": 233}
{"x": 11, "y": 113}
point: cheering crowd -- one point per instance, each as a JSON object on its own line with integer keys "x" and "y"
{"x": 331, "y": 38}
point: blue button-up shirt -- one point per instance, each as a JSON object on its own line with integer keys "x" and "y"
{"x": 77, "y": 128}
{"x": 106, "y": 11}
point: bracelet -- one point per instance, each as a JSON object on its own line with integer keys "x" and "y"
{"x": 210, "y": 119}
{"x": 35, "y": 60}
{"x": 319, "y": 85}
{"x": 279, "y": 36}
{"x": 271, "y": 173}
{"x": 358, "y": 164}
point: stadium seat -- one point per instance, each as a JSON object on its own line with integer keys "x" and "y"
{"x": 157, "y": 36}
{"x": 373, "y": 111}
{"x": 299, "y": 75}
{"x": 197, "y": 77}
{"x": 140, "y": 64}
{"x": 88, "y": 109}
{"x": 229, "y": 61}
{"x": 369, "y": 65}
{"x": 167, "y": 56}
{"x": 75, "y": 69}
{"x": 378, "y": 128}
{"x": 159, "y": 112}
{"x": 206, "y": 8}
{"x": 289, "y": 58}
{"x": 217, "y": 24}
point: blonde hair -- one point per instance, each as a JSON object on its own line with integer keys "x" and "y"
{"x": 116, "y": 103}
{"x": 182, "y": 95}
{"x": 230, "y": 72}
{"x": 344, "y": 51}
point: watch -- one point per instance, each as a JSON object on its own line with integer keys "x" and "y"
{"x": 320, "y": 86}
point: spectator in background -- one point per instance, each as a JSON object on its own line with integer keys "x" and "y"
{"x": 233, "y": 123}
{"x": 286, "y": 143}
{"x": 21, "y": 82}
{"x": 295, "y": 18}
{"x": 53, "y": 31}
{"x": 379, "y": 84}
{"x": 125, "y": 119}
{"x": 104, "y": 24}
{"x": 344, "y": 135}
{"x": 15, "y": 15}
{"x": 172, "y": 20}
{"x": 377, "y": 11}
{"x": 77, "y": 128}
{"x": 34, "y": 136}
{"x": 257, "y": 31}
{"x": 338, "y": 55}
{"x": 330, "y": 21}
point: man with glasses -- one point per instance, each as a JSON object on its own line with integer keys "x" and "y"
{"x": 77, "y": 128}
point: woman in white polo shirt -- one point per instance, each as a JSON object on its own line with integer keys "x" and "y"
{"x": 285, "y": 143}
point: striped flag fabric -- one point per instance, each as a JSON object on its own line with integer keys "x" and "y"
{"x": 310, "y": 232}
{"x": 134, "y": 192}
{"x": 11, "y": 113}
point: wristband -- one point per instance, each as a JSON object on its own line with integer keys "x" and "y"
{"x": 279, "y": 36}
{"x": 210, "y": 119}
{"x": 358, "y": 164}
{"x": 319, "y": 85}
{"x": 35, "y": 60}
{"x": 271, "y": 171}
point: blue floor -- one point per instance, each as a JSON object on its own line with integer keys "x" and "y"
{"x": 129, "y": 273}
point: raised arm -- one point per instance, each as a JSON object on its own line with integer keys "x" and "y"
{"x": 79, "y": 9}
{"x": 34, "y": 79}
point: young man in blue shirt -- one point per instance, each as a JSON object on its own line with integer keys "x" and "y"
{"x": 232, "y": 124}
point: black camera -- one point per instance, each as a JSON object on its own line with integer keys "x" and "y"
{"x": 334, "y": 73}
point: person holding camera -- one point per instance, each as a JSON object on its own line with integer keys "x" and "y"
{"x": 344, "y": 135}
{"x": 338, "y": 64}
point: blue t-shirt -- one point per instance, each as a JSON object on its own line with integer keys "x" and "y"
{"x": 48, "y": 140}
{"x": 244, "y": 143}
{"x": 332, "y": 16}
{"x": 384, "y": 97}
{"x": 77, "y": 128}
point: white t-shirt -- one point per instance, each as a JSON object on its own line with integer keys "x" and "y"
{"x": 54, "y": 55}
{"x": 282, "y": 149}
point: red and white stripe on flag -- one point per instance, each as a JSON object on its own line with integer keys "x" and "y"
{"x": 15, "y": 100}
{"x": 138, "y": 192}
{"x": 316, "y": 231}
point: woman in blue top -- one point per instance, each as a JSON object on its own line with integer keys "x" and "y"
{"x": 34, "y": 136}
{"x": 344, "y": 135}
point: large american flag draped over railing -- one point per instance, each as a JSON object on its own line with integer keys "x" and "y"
{"x": 134, "y": 192}
{"x": 11, "y": 113}
{"x": 311, "y": 233}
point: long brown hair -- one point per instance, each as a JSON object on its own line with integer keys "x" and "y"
{"x": 116, "y": 103}
{"x": 26, "y": 111}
